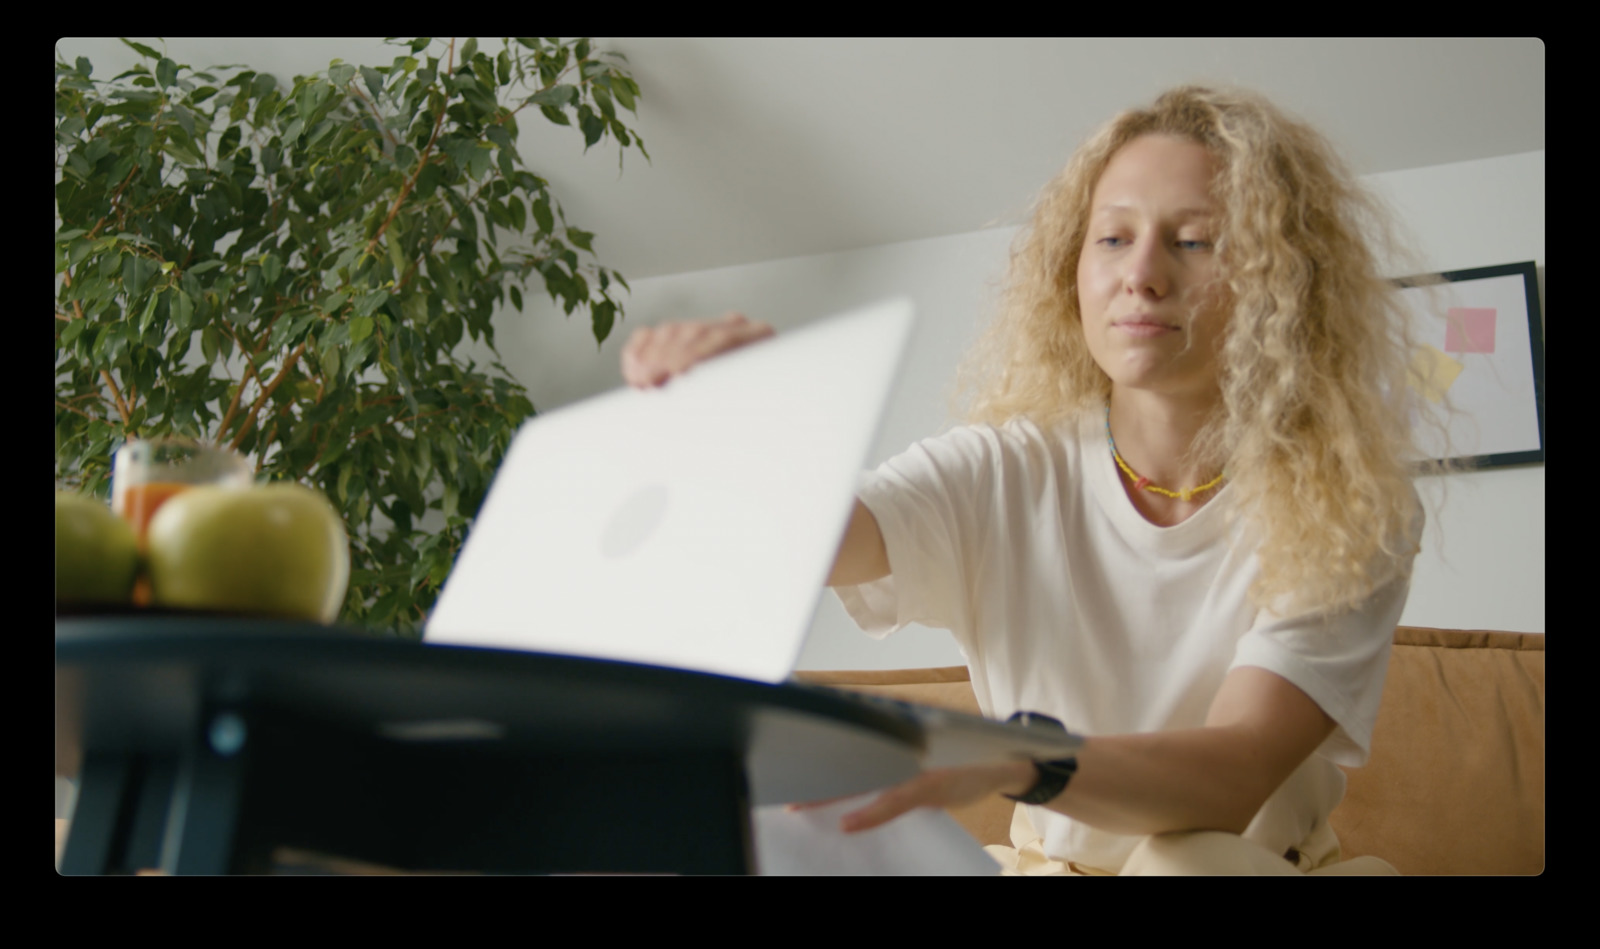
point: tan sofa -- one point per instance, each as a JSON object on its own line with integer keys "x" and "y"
{"x": 1455, "y": 783}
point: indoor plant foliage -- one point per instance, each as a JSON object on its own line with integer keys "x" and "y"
{"x": 300, "y": 272}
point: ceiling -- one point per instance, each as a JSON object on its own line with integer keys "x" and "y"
{"x": 771, "y": 148}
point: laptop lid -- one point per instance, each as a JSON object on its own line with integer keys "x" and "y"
{"x": 690, "y": 526}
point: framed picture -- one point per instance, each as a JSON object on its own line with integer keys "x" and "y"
{"x": 1485, "y": 360}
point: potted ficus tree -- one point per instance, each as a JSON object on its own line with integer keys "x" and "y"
{"x": 305, "y": 271}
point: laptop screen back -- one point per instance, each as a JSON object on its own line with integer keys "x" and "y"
{"x": 690, "y": 526}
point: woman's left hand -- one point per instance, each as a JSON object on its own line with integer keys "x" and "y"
{"x": 943, "y": 787}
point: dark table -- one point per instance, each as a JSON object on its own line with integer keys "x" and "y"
{"x": 218, "y": 745}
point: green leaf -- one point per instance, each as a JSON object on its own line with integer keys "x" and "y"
{"x": 542, "y": 216}
{"x": 420, "y": 43}
{"x": 229, "y": 141}
{"x": 330, "y": 365}
{"x": 286, "y": 329}
{"x": 166, "y": 72}
{"x": 499, "y": 214}
{"x": 182, "y": 311}
{"x": 555, "y": 97}
{"x": 142, "y": 49}
{"x": 185, "y": 120}
{"x": 210, "y": 344}
{"x": 72, "y": 331}
{"x": 478, "y": 162}
{"x": 428, "y": 179}
{"x": 136, "y": 273}
{"x": 148, "y": 312}
{"x": 603, "y": 100}
{"x": 396, "y": 257}
{"x": 319, "y": 132}
{"x": 368, "y": 302}
{"x": 623, "y": 89}
{"x": 604, "y": 317}
{"x": 469, "y": 48}
{"x": 594, "y": 127}
{"x": 333, "y": 302}
{"x": 374, "y": 82}
{"x": 360, "y": 328}
{"x": 341, "y": 74}
{"x": 80, "y": 251}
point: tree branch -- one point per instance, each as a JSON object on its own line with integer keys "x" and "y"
{"x": 117, "y": 193}
{"x": 122, "y": 407}
{"x": 251, "y": 370}
{"x": 77, "y": 305}
{"x": 72, "y": 408}
{"x": 422, "y": 162}
{"x": 387, "y": 132}
{"x": 411, "y": 270}
{"x": 261, "y": 400}
{"x": 233, "y": 406}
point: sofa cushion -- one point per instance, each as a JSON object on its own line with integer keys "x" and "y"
{"x": 1455, "y": 782}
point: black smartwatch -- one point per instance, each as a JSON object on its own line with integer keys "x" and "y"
{"x": 1053, "y": 775}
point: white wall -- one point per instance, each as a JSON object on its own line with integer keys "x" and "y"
{"x": 1483, "y": 560}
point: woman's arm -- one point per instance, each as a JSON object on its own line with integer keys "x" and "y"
{"x": 1259, "y": 729}
{"x": 862, "y": 556}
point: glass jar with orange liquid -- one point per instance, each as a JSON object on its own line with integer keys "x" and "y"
{"x": 145, "y": 473}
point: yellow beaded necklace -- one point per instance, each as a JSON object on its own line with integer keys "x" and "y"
{"x": 1140, "y": 481}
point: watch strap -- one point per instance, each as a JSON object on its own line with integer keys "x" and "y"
{"x": 1052, "y": 775}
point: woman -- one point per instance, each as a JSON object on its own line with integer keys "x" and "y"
{"x": 1181, "y": 520}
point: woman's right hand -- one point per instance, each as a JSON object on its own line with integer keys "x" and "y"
{"x": 654, "y": 354}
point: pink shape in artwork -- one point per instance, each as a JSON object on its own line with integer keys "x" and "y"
{"x": 1469, "y": 330}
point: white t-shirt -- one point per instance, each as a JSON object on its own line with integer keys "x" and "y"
{"x": 1065, "y": 600}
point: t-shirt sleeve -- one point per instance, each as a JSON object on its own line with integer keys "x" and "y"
{"x": 1341, "y": 662}
{"x": 929, "y": 502}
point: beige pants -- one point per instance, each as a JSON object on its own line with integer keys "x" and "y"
{"x": 1192, "y": 853}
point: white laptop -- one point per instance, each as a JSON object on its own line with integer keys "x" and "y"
{"x": 692, "y": 525}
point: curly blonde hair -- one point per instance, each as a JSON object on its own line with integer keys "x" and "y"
{"x": 1314, "y": 425}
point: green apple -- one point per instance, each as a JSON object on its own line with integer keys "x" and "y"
{"x": 277, "y": 550}
{"x": 97, "y": 555}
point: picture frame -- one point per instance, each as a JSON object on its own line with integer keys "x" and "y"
{"x": 1481, "y": 356}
